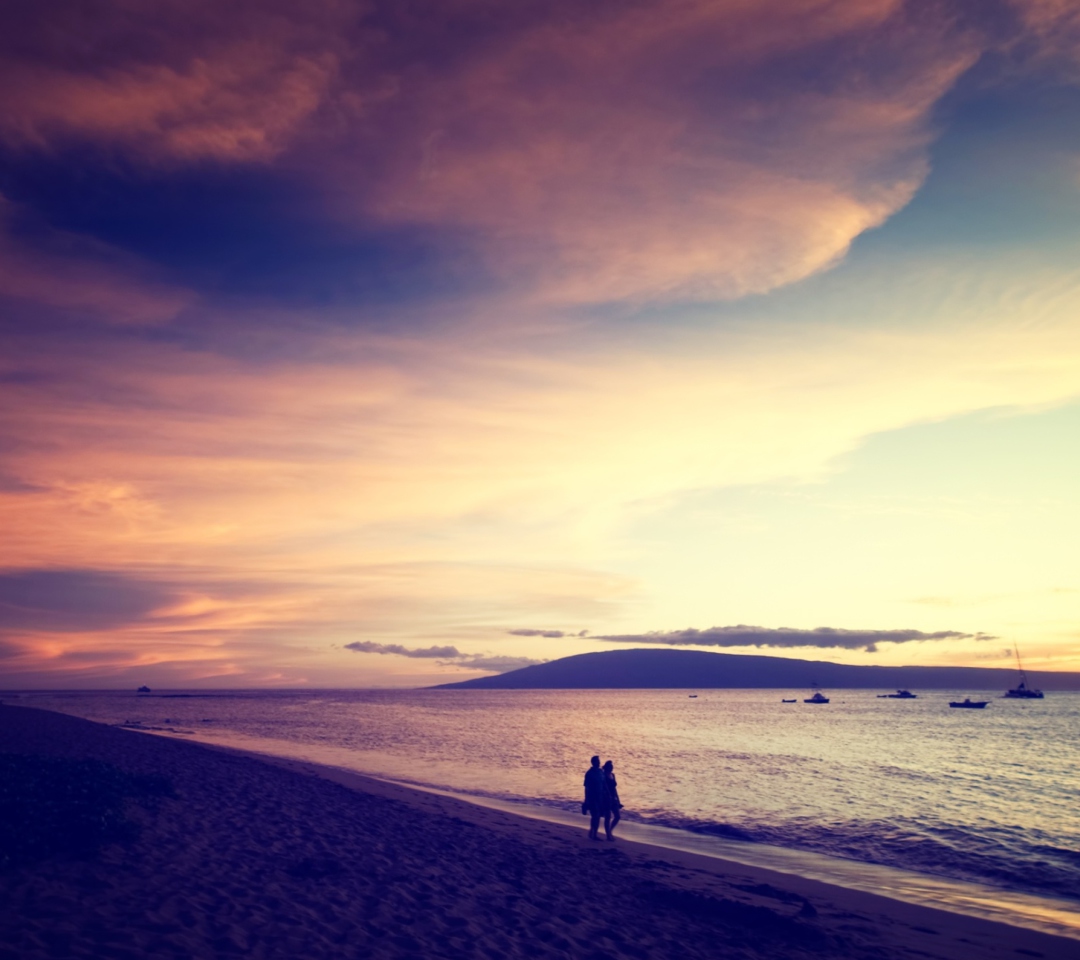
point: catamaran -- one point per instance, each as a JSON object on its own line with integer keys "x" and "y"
{"x": 1023, "y": 691}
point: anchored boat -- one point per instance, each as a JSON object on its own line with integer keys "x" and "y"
{"x": 969, "y": 703}
{"x": 1022, "y": 691}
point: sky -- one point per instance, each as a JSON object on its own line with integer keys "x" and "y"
{"x": 393, "y": 343}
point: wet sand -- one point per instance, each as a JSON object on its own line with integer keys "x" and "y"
{"x": 243, "y": 856}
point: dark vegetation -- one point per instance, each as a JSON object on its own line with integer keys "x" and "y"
{"x": 56, "y": 806}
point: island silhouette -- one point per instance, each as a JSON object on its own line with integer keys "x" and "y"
{"x": 697, "y": 669}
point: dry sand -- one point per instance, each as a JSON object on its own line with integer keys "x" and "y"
{"x": 270, "y": 859}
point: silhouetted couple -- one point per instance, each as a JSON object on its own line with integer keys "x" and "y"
{"x": 601, "y": 798}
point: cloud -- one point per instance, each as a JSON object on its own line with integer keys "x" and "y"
{"x": 540, "y": 633}
{"x": 447, "y": 656}
{"x": 823, "y": 637}
{"x": 598, "y": 152}
{"x": 98, "y": 624}
{"x": 593, "y": 153}
{"x": 1054, "y": 25}
{"x": 484, "y": 460}
{"x": 67, "y": 601}
{"x": 175, "y": 81}
{"x": 681, "y": 150}
{"x": 425, "y": 653}
{"x": 308, "y": 469}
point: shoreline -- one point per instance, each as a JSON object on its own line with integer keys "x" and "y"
{"x": 264, "y": 857}
{"x": 1023, "y": 910}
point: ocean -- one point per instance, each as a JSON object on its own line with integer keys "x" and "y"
{"x": 982, "y": 797}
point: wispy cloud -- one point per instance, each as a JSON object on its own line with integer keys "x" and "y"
{"x": 637, "y": 152}
{"x": 446, "y": 655}
{"x": 397, "y": 650}
{"x": 673, "y": 158}
{"x": 394, "y": 464}
{"x": 823, "y": 637}
{"x": 178, "y": 82}
{"x": 67, "y": 601}
{"x": 1055, "y": 27}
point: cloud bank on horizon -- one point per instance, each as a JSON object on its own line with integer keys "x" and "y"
{"x": 404, "y": 322}
{"x": 826, "y": 638}
{"x": 447, "y": 655}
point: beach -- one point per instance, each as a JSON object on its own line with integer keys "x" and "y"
{"x": 226, "y": 854}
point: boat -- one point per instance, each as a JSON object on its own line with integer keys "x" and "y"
{"x": 1022, "y": 691}
{"x": 789, "y": 701}
{"x": 969, "y": 703}
{"x": 816, "y": 698}
{"x": 693, "y": 696}
{"x": 143, "y": 689}
{"x": 899, "y": 695}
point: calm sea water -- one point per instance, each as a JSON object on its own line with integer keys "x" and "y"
{"x": 987, "y": 796}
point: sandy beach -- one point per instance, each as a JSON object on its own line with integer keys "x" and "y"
{"x": 222, "y": 854}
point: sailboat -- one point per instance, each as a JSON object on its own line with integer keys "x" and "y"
{"x": 1022, "y": 691}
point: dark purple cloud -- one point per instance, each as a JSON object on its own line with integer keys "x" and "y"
{"x": 447, "y": 656}
{"x": 594, "y": 151}
{"x": 423, "y": 653}
{"x": 823, "y": 637}
{"x": 77, "y": 600}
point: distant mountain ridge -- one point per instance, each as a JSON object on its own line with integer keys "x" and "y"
{"x": 701, "y": 670}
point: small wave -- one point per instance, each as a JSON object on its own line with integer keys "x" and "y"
{"x": 1012, "y": 858}
{"x": 1009, "y": 857}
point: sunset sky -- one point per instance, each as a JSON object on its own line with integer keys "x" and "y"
{"x": 392, "y": 343}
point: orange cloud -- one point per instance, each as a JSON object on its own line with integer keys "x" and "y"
{"x": 417, "y": 487}
{"x": 172, "y": 81}
{"x": 657, "y": 151}
{"x": 628, "y": 151}
{"x": 203, "y": 112}
{"x": 411, "y": 459}
{"x": 1055, "y": 26}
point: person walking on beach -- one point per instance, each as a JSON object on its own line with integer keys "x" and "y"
{"x": 613, "y": 798}
{"x": 596, "y": 803}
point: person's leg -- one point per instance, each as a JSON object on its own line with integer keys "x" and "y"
{"x": 594, "y": 825}
{"x": 607, "y": 825}
{"x": 615, "y": 818}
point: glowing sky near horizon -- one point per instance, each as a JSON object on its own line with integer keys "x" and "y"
{"x": 395, "y": 343}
